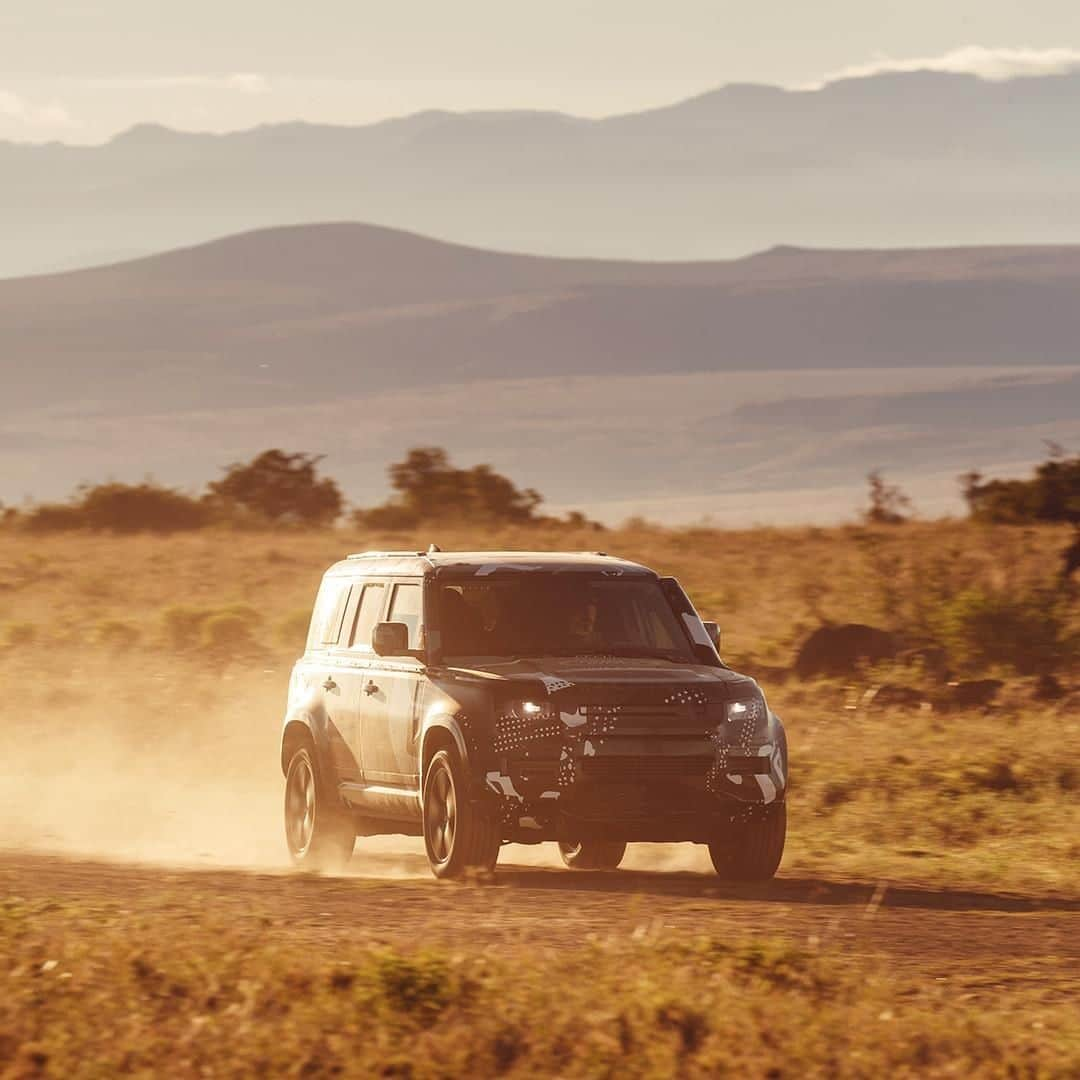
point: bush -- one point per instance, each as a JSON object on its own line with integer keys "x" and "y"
{"x": 1052, "y": 494}
{"x": 227, "y": 635}
{"x": 182, "y": 626}
{"x": 1026, "y": 631}
{"x": 116, "y": 634}
{"x": 54, "y": 517}
{"x": 887, "y": 503}
{"x": 122, "y": 508}
{"x": 420, "y": 985}
{"x": 226, "y": 631}
{"x": 19, "y": 634}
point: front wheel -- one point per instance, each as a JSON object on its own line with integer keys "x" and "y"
{"x": 751, "y": 850}
{"x": 592, "y": 854}
{"x": 317, "y": 828}
{"x": 458, "y": 835}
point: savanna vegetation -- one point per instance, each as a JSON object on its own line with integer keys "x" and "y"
{"x": 193, "y": 986}
{"x": 153, "y": 640}
{"x": 145, "y": 677}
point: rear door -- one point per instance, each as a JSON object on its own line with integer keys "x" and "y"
{"x": 388, "y": 712}
{"x": 335, "y": 676}
{"x": 365, "y": 609}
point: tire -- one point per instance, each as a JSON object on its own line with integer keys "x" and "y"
{"x": 752, "y": 850}
{"x": 318, "y": 831}
{"x": 459, "y": 837}
{"x": 592, "y": 854}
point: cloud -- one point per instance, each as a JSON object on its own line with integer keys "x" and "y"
{"x": 996, "y": 65}
{"x": 241, "y": 82}
{"x": 26, "y": 114}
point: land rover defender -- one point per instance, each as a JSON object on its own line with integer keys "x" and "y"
{"x": 483, "y": 698}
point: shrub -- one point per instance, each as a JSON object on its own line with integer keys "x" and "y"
{"x": 53, "y": 517}
{"x": 19, "y": 634}
{"x": 1052, "y": 494}
{"x": 116, "y": 634}
{"x": 225, "y": 631}
{"x": 227, "y": 635}
{"x": 128, "y": 508}
{"x": 887, "y": 503}
{"x": 182, "y": 626}
{"x": 121, "y": 508}
{"x": 419, "y": 985}
{"x": 1026, "y": 631}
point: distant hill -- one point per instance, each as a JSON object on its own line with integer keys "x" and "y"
{"x": 596, "y": 381}
{"x": 895, "y": 160}
{"x": 300, "y": 313}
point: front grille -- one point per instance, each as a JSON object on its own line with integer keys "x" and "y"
{"x": 681, "y": 719}
{"x": 642, "y": 770}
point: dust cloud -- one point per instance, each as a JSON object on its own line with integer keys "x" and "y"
{"x": 179, "y": 766}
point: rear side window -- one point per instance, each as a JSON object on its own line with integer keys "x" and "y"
{"x": 328, "y": 614}
{"x": 367, "y": 615}
{"x": 405, "y": 608}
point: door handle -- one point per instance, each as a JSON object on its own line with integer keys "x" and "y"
{"x": 329, "y": 684}
{"x": 371, "y": 688}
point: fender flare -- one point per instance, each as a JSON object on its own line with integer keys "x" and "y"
{"x": 301, "y": 724}
{"x": 442, "y": 724}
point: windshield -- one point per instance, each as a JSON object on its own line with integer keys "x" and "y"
{"x": 560, "y": 615}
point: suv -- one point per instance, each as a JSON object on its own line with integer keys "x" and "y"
{"x": 482, "y": 698}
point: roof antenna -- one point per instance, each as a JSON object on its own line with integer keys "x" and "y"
{"x": 433, "y": 549}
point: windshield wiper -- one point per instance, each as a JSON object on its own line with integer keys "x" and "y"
{"x": 622, "y": 654}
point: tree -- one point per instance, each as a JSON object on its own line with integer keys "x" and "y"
{"x": 280, "y": 487}
{"x": 1052, "y": 494}
{"x": 429, "y": 488}
{"x": 888, "y": 505}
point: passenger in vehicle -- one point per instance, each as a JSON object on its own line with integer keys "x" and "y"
{"x": 462, "y": 628}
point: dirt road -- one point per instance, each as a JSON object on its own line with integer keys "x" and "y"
{"x": 936, "y": 933}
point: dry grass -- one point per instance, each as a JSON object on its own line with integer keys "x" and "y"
{"x": 96, "y": 990}
{"x": 767, "y": 587}
{"x": 133, "y": 731}
{"x": 122, "y": 709}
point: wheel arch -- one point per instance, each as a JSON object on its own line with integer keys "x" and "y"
{"x": 296, "y": 733}
{"x": 441, "y": 733}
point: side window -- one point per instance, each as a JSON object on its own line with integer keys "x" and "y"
{"x": 329, "y": 612}
{"x": 405, "y": 608}
{"x": 367, "y": 615}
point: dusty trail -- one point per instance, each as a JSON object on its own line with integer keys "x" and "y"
{"x": 938, "y": 933}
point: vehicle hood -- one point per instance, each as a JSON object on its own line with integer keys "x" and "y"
{"x": 584, "y": 671}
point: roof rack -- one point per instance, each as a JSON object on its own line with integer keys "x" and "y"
{"x": 387, "y": 555}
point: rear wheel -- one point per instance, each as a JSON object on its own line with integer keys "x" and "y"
{"x": 317, "y": 827}
{"x": 751, "y": 850}
{"x": 592, "y": 854}
{"x": 458, "y": 835}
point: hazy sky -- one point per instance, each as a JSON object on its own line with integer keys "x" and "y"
{"x": 83, "y": 69}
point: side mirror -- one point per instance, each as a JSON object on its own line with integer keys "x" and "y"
{"x": 713, "y": 630}
{"x": 390, "y": 639}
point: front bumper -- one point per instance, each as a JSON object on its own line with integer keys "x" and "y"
{"x": 636, "y": 772}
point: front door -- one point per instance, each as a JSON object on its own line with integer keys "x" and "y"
{"x": 388, "y": 712}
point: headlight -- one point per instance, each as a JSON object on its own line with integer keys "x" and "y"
{"x": 533, "y": 710}
{"x": 749, "y": 709}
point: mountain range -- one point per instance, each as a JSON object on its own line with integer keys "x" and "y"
{"x": 891, "y": 160}
{"x": 758, "y": 388}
